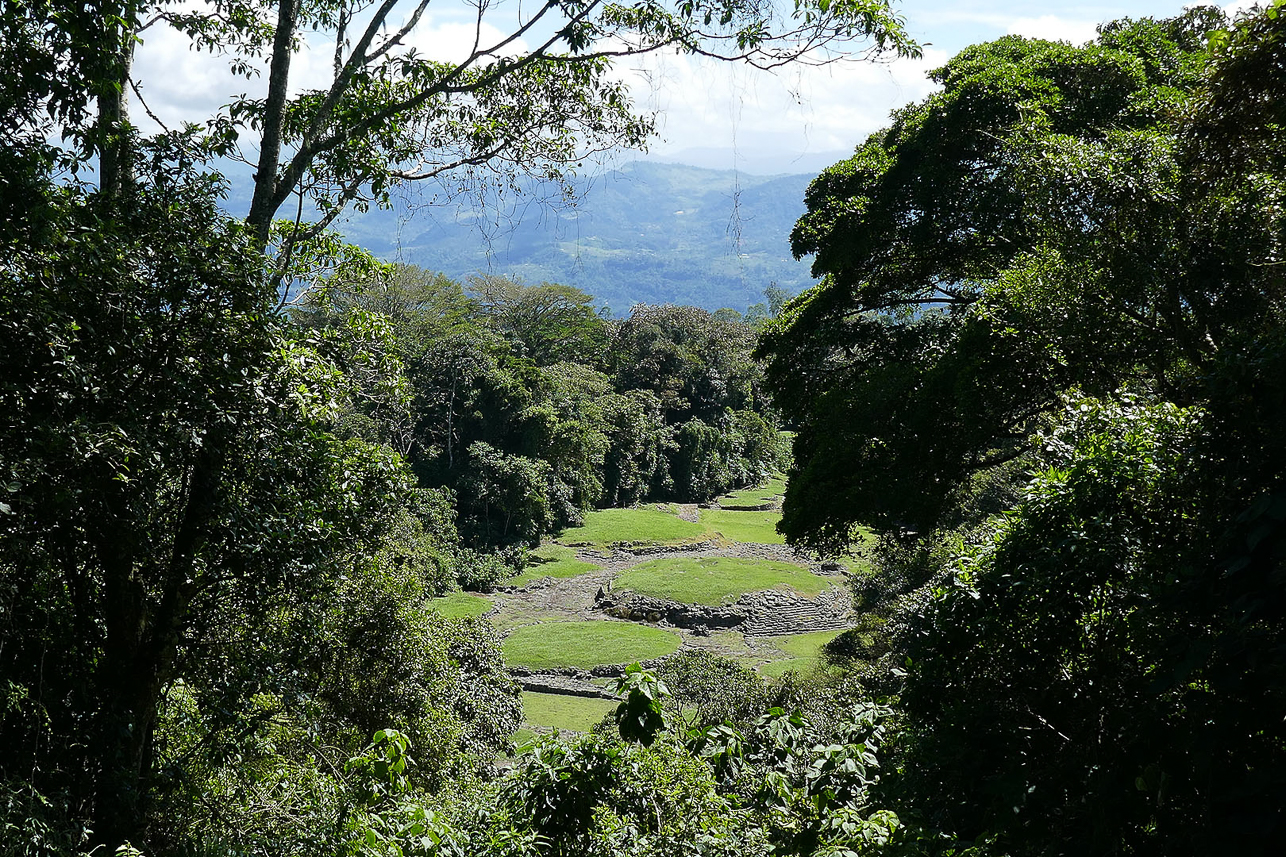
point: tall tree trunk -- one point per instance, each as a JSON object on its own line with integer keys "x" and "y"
{"x": 115, "y": 140}
{"x": 263, "y": 205}
{"x": 144, "y": 632}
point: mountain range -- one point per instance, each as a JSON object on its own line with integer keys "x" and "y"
{"x": 647, "y": 232}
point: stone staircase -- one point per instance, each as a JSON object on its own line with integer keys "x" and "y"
{"x": 775, "y": 612}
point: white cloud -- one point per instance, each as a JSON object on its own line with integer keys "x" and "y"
{"x": 1055, "y": 28}
{"x": 705, "y": 104}
{"x": 178, "y": 83}
{"x": 1232, "y": 9}
{"x": 452, "y": 41}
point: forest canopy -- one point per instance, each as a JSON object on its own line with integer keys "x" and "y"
{"x": 1045, "y": 365}
{"x": 1046, "y": 361}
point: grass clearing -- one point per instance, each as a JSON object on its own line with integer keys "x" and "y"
{"x": 776, "y": 669}
{"x": 803, "y": 653}
{"x": 769, "y": 493}
{"x": 586, "y": 644}
{"x": 715, "y": 580}
{"x": 460, "y": 604}
{"x": 806, "y": 645}
{"x": 514, "y": 614}
{"x": 755, "y": 527}
{"x": 568, "y": 713}
{"x": 551, "y": 560}
{"x": 647, "y": 525}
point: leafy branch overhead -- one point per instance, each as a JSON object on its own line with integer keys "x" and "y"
{"x": 532, "y": 91}
{"x": 1051, "y": 220}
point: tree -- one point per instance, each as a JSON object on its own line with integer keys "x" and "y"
{"x": 506, "y": 497}
{"x": 696, "y": 364}
{"x": 533, "y": 93}
{"x": 549, "y": 322}
{"x": 1088, "y": 673}
{"x": 168, "y": 473}
{"x": 635, "y": 464}
{"x": 1004, "y": 240}
{"x": 1084, "y": 667}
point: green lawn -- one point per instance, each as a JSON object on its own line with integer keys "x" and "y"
{"x": 807, "y": 645}
{"x": 776, "y": 669}
{"x": 460, "y": 604}
{"x": 569, "y": 713}
{"x": 647, "y": 525}
{"x": 715, "y": 580}
{"x": 757, "y": 527}
{"x": 804, "y": 652}
{"x": 514, "y": 613}
{"x": 551, "y": 561}
{"x": 586, "y": 644}
{"x": 769, "y": 493}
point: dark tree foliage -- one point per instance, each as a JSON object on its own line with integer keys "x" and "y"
{"x": 1079, "y": 269}
{"x": 500, "y": 397}
{"x": 159, "y": 465}
{"x": 176, "y": 515}
{"x": 1100, "y": 673}
{"x": 1006, "y": 239}
{"x": 548, "y": 322}
{"x": 697, "y": 365}
{"x": 722, "y": 430}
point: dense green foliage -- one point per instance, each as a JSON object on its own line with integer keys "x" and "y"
{"x": 1046, "y": 361}
{"x": 207, "y": 589}
{"x": 221, "y": 525}
{"x": 509, "y": 398}
{"x": 1027, "y": 230}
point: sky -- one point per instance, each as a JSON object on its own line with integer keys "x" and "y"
{"x": 709, "y": 114}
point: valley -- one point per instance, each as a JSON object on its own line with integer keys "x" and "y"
{"x": 641, "y": 584}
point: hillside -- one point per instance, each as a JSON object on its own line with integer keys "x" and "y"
{"x": 646, "y": 233}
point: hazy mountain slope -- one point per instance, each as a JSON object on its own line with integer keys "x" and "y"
{"x": 649, "y": 232}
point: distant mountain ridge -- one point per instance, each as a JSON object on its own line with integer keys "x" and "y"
{"x": 648, "y": 232}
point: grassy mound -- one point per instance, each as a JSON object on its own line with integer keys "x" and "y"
{"x": 460, "y": 604}
{"x": 586, "y": 644}
{"x": 757, "y": 527}
{"x": 769, "y": 493}
{"x": 569, "y": 713}
{"x": 803, "y": 652}
{"x": 552, "y": 561}
{"x": 806, "y": 645}
{"x": 715, "y": 580}
{"x": 647, "y": 525}
{"x": 777, "y": 669}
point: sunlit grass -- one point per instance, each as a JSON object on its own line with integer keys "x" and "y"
{"x": 758, "y": 495}
{"x": 460, "y": 604}
{"x": 586, "y": 644}
{"x": 806, "y": 645}
{"x": 715, "y": 580}
{"x": 647, "y": 525}
{"x": 514, "y": 613}
{"x": 551, "y": 560}
{"x": 569, "y": 713}
{"x": 803, "y": 652}
{"x": 756, "y": 527}
{"x": 776, "y": 669}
